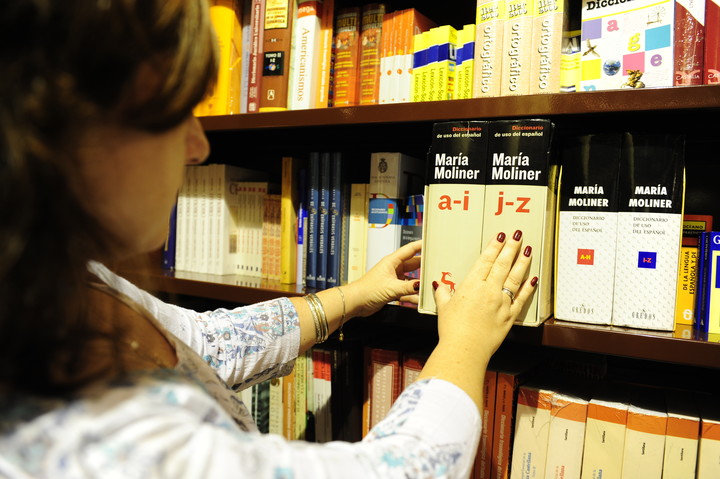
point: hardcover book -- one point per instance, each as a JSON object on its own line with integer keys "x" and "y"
{"x": 521, "y": 178}
{"x": 711, "y": 58}
{"x": 307, "y": 36}
{"x": 413, "y": 22}
{"x": 257, "y": 29}
{"x": 483, "y": 461}
{"x": 644, "y": 440}
{"x": 370, "y": 40}
{"x": 358, "y": 227}
{"x": 689, "y": 42}
{"x": 516, "y": 47}
{"x": 490, "y": 24}
{"x": 682, "y": 434}
{"x": 627, "y": 44}
{"x": 454, "y": 203}
{"x": 225, "y": 96}
{"x": 323, "y": 222}
{"x": 277, "y": 42}
{"x": 550, "y": 21}
{"x": 566, "y": 436}
{"x": 532, "y": 427}
{"x": 708, "y": 315}
{"x": 346, "y": 52}
{"x": 708, "y": 461}
{"x": 605, "y": 429}
{"x": 687, "y": 282}
{"x": 323, "y": 95}
{"x": 652, "y": 183}
{"x": 587, "y": 228}
{"x": 313, "y": 205}
{"x": 289, "y": 219}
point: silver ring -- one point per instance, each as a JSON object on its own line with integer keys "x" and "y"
{"x": 509, "y": 293}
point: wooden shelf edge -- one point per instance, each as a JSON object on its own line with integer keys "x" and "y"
{"x": 544, "y": 105}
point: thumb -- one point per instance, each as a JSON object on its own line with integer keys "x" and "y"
{"x": 442, "y": 296}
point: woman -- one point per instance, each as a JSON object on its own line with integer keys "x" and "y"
{"x": 100, "y": 379}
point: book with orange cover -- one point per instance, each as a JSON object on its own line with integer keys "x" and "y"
{"x": 682, "y": 434}
{"x": 371, "y": 18}
{"x": 324, "y": 85}
{"x": 277, "y": 41}
{"x": 484, "y": 453}
{"x": 346, "y": 50}
{"x": 566, "y": 436}
{"x": 412, "y": 23}
{"x": 645, "y": 437}
{"x": 604, "y": 437}
{"x": 532, "y": 427}
{"x": 390, "y": 25}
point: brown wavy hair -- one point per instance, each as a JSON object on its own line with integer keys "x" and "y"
{"x": 65, "y": 65}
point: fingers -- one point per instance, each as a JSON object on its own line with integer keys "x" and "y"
{"x": 519, "y": 270}
{"x": 442, "y": 296}
{"x": 406, "y": 252}
{"x": 523, "y": 295}
{"x": 488, "y": 256}
{"x": 506, "y": 259}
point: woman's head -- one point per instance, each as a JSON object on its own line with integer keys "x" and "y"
{"x": 80, "y": 81}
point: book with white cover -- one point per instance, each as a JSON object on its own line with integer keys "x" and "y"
{"x": 566, "y": 438}
{"x": 605, "y": 430}
{"x": 681, "y": 436}
{"x": 532, "y": 427}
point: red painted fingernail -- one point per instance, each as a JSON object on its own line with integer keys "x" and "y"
{"x": 435, "y": 284}
{"x": 517, "y": 235}
{"x": 528, "y": 251}
{"x": 534, "y": 281}
{"x": 501, "y": 237}
{"x": 416, "y": 285}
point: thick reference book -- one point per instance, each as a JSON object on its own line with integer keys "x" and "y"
{"x": 490, "y": 24}
{"x": 517, "y": 47}
{"x": 454, "y": 204}
{"x": 689, "y": 41}
{"x": 277, "y": 42}
{"x": 708, "y": 461}
{"x": 687, "y": 282}
{"x": 645, "y": 436}
{"x": 708, "y": 305}
{"x": 289, "y": 218}
{"x": 313, "y": 205}
{"x": 681, "y": 436}
{"x": 532, "y": 428}
{"x": 605, "y": 429}
{"x": 305, "y": 61}
{"x": 566, "y": 436}
{"x": 483, "y": 459}
{"x": 550, "y": 22}
{"x": 371, "y": 32}
{"x": 521, "y": 179}
{"x": 346, "y": 51}
{"x": 587, "y": 228}
{"x": 323, "y": 221}
{"x": 255, "y": 67}
{"x": 652, "y": 184}
{"x": 711, "y": 58}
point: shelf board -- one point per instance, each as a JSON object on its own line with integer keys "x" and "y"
{"x": 621, "y": 101}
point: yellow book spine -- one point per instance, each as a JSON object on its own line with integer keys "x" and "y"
{"x": 225, "y": 97}
{"x": 288, "y": 221}
{"x": 419, "y": 74}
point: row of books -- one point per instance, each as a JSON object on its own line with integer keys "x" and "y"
{"x": 299, "y": 54}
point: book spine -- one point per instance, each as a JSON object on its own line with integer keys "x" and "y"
{"x": 346, "y": 52}
{"x": 520, "y": 195}
{"x": 246, "y": 35}
{"x": 644, "y": 443}
{"x": 276, "y": 419}
{"x": 483, "y": 459}
{"x": 532, "y": 426}
{"x": 420, "y": 87}
{"x": 506, "y": 395}
{"x": 370, "y": 41}
{"x": 307, "y": 35}
{"x": 587, "y": 228}
{"x": 301, "y": 227}
{"x": 257, "y": 18}
{"x": 335, "y": 221}
{"x": 652, "y": 188}
{"x": 300, "y": 399}
{"x": 225, "y": 96}
{"x": 701, "y": 322}
{"x": 289, "y": 220}
{"x": 386, "y": 379}
{"x": 181, "y": 236}
{"x": 689, "y": 41}
{"x": 712, "y": 283}
{"x": 168, "y": 250}
{"x": 322, "y": 98}
{"x": 277, "y": 41}
{"x": 517, "y": 45}
{"x": 312, "y": 229}
{"x": 453, "y": 206}
{"x": 387, "y": 49}
{"x": 323, "y": 234}
{"x": 711, "y": 57}
{"x": 566, "y": 437}
{"x": 357, "y": 230}
{"x": 490, "y": 25}
{"x": 446, "y": 57}
{"x": 605, "y": 429}
{"x": 549, "y": 22}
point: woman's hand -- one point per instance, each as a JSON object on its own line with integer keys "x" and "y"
{"x": 480, "y": 312}
{"x": 386, "y": 282}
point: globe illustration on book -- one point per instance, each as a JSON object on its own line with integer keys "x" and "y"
{"x": 611, "y": 67}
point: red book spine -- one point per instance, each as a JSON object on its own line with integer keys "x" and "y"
{"x": 711, "y": 69}
{"x": 689, "y": 41}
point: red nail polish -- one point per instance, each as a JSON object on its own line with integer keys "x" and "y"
{"x": 435, "y": 284}
{"x": 534, "y": 281}
{"x": 528, "y": 251}
{"x": 517, "y": 235}
{"x": 416, "y": 285}
{"x": 501, "y": 237}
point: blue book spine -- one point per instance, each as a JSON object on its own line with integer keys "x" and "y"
{"x": 335, "y": 223}
{"x": 323, "y": 234}
{"x": 302, "y": 227}
{"x": 701, "y": 287}
{"x": 711, "y": 283}
{"x": 312, "y": 231}
{"x": 168, "y": 251}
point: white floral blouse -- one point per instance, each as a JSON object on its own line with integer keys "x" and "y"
{"x": 187, "y": 423}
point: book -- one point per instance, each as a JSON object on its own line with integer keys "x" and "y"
{"x": 464, "y": 62}
{"x": 411, "y": 224}
{"x": 302, "y": 221}
{"x": 708, "y": 316}
{"x": 420, "y": 73}
{"x": 323, "y": 221}
{"x": 224, "y": 98}
{"x": 652, "y": 183}
{"x": 532, "y": 427}
{"x": 385, "y": 382}
{"x": 708, "y": 460}
{"x": 570, "y": 72}
{"x": 515, "y": 75}
{"x": 454, "y": 200}
{"x": 681, "y": 436}
{"x": 645, "y": 437}
{"x": 483, "y": 461}
{"x": 168, "y": 249}
{"x": 393, "y": 175}
{"x": 323, "y": 96}
{"x": 288, "y": 405}
{"x": 277, "y": 42}
{"x": 490, "y": 24}
{"x": 412, "y": 365}
{"x": 346, "y": 52}
{"x": 387, "y": 78}
{"x": 566, "y": 436}
{"x": 300, "y": 397}
{"x": 246, "y": 33}
{"x": 444, "y": 39}
{"x": 257, "y": 30}
{"x": 371, "y": 16}
{"x": 305, "y": 60}
{"x": 276, "y": 412}
{"x": 289, "y": 219}
{"x": 521, "y": 195}
{"x": 313, "y": 204}
{"x": 587, "y": 228}
{"x": 358, "y": 230}
{"x": 711, "y": 56}
{"x": 412, "y": 22}
{"x": 550, "y": 21}
{"x": 604, "y": 444}
{"x": 627, "y": 45}
{"x": 693, "y": 225}
{"x": 689, "y": 42}
{"x": 337, "y": 214}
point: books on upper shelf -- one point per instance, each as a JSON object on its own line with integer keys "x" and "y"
{"x": 627, "y": 44}
{"x": 587, "y": 228}
{"x": 490, "y": 23}
{"x": 277, "y": 41}
{"x": 651, "y": 190}
{"x": 517, "y": 46}
{"x": 371, "y": 16}
{"x": 689, "y": 42}
{"x": 707, "y": 306}
{"x": 464, "y": 62}
{"x": 257, "y": 29}
{"x": 711, "y": 57}
{"x": 550, "y": 22}
{"x": 305, "y": 58}
{"x": 346, "y": 52}
{"x": 393, "y": 176}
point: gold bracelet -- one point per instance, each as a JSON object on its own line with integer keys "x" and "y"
{"x": 341, "y": 336}
{"x": 319, "y": 317}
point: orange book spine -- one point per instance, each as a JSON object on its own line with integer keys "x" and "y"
{"x": 277, "y": 39}
{"x": 347, "y": 61}
{"x": 322, "y": 98}
{"x": 370, "y": 43}
{"x": 482, "y": 459}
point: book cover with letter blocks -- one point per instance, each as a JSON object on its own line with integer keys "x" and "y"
{"x": 627, "y": 44}
{"x": 652, "y": 183}
{"x": 521, "y": 195}
{"x": 587, "y": 228}
{"x": 454, "y": 204}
